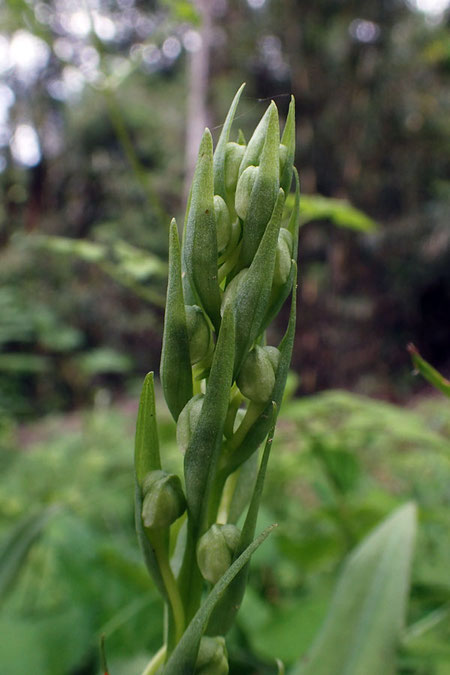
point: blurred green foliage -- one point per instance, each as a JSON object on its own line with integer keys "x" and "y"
{"x": 341, "y": 463}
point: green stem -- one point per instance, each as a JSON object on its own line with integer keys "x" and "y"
{"x": 254, "y": 410}
{"x": 227, "y": 496}
{"x": 156, "y": 661}
{"x": 170, "y": 584}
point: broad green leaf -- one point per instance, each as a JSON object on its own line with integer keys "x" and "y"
{"x": 226, "y": 610}
{"x": 183, "y": 658}
{"x": 288, "y": 139}
{"x": 200, "y": 239}
{"x": 366, "y": 617}
{"x": 433, "y": 376}
{"x": 339, "y": 211}
{"x": 16, "y": 546}
{"x": 264, "y": 192}
{"x": 253, "y": 293}
{"x": 146, "y": 446}
{"x": 175, "y": 370}
{"x": 202, "y": 452}
{"x": 219, "y": 154}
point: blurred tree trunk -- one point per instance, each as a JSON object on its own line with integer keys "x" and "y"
{"x": 198, "y": 73}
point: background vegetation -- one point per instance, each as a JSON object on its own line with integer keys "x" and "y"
{"x": 101, "y": 105}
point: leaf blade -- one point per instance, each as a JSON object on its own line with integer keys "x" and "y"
{"x": 359, "y": 637}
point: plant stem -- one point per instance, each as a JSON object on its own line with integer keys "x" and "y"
{"x": 227, "y": 496}
{"x": 170, "y": 584}
{"x": 254, "y": 410}
{"x": 156, "y": 661}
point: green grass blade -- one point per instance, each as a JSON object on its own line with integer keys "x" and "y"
{"x": 183, "y": 658}
{"x": 433, "y": 376}
{"x": 16, "y": 546}
{"x": 365, "y": 620}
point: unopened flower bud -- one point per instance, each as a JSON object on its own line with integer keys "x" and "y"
{"x": 283, "y": 156}
{"x": 232, "y": 288}
{"x": 234, "y": 153}
{"x": 187, "y": 421}
{"x": 244, "y": 189}
{"x": 199, "y": 332}
{"x": 283, "y": 258}
{"x": 212, "y": 657}
{"x": 256, "y": 378}
{"x": 164, "y": 500}
{"x": 215, "y": 551}
{"x": 223, "y": 223}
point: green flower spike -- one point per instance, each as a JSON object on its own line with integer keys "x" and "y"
{"x": 223, "y": 387}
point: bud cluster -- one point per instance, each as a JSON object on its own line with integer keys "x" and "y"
{"x": 222, "y": 383}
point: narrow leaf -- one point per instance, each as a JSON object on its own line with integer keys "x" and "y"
{"x": 366, "y": 617}
{"x": 200, "y": 242}
{"x": 433, "y": 376}
{"x": 338, "y": 211}
{"x": 259, "y": 430}
{"x": 16, "y": 546}
{"x": 264, "y": 192}
{"x": 183, "y": 658}
{"x": 288, "y": 139}
{"x": 146, "y": 446}
{"x": 255, "y": 145}
{"x": 219, "y": 154}
{"x": 201, "y": 455}
{"x": 253, "y": 294}
{"x": 175, "y": 371}
{"x": 226, "y": 610}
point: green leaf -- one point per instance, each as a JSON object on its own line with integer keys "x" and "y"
{"x": 183, "y": 658}
{"x": 226, "y": 610}
{"x": 288, "y": 139}
{"x": 364, "y": 624}
{"x": 219, "y": 154}
{"x": 146, "y": 446}
{"x": 264, "y": 192}
{"x": 339, "y": 211}
{"x": 200, "y": 243}
{"x": 260, "y": 428}
{"x": 83, "y": 248}
{"x": 433, "y": 376}
{"x": 17, "y": 545}
{"x": 23, "y": 363}
{"x": 202, "y": 452}
{"x": 147, "y": 549}
{"x": 253, "y": 293}
{"x": 255, "y": 145}
{"x": 175, "y": 370}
